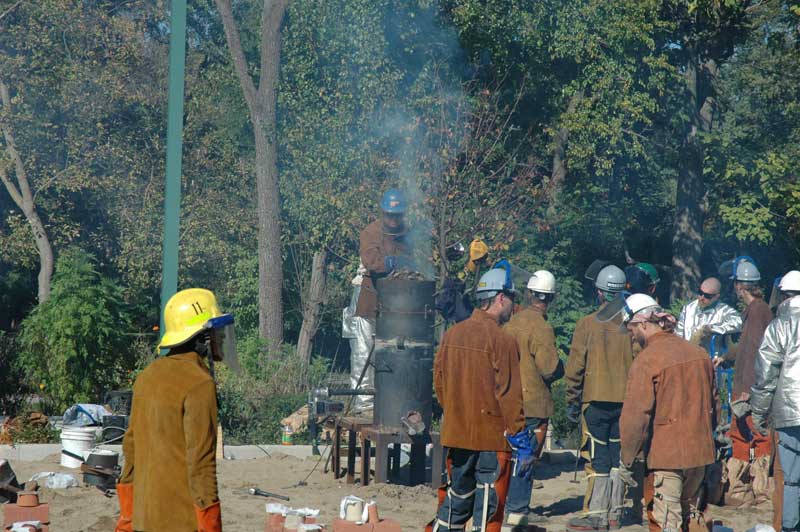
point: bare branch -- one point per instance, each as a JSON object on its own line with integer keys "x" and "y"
{"x": 10, "y": 9}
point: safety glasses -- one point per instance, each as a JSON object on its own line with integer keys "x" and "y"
{"x": 706, "y": 294}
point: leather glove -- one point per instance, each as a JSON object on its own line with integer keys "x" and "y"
{"x": 125, "y": 496}
{"x": 721, "y": 438}
{"x": 209, "y": 519}
{"x": 574, "y": 412}
{"x": 523, "y": 453}
{"x": 478, "y": 251}
{"x": 626, "y": 475}
{"x": 740, "y": 408}
{"x": 760, "y": 424}
{"x": 700, "y": 334}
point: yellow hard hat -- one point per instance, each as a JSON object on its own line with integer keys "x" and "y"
{"x": 186, "y": 314}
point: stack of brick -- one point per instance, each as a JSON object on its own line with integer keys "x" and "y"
{"x": 374, "y": 523}
{"x": 279, "y": 523}
{"x": 27, "y": 509}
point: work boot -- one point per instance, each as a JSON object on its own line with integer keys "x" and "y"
{"x": 617, "y": 501}
{"x": 519, "y": 521}
{"x": 597, "y": 517}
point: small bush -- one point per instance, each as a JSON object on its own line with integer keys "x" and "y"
{"x": 273, "y": 384}
{"x": 75, "y": 345}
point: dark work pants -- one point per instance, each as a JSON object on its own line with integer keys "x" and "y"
{"x": 602, "y": 422}
{"x": 519, "y": 489}
{"x": 477, "y": 486}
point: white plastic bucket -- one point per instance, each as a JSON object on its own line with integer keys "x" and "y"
{"x": 77, "y": 440}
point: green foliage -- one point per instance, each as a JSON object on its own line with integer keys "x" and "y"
{"x": 252, "y": 404}
{"x": 75, "y": 346}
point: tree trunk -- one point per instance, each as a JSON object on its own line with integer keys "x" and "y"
{"x": 261, "y": 103}
{"x": 692, "y": 192}
{"x": 312, "y": 307}
{"x": 558, "y": 173}
{"x": 22, "y": 195}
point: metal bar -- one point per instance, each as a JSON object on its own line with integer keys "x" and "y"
{"x": 172, "y": 196}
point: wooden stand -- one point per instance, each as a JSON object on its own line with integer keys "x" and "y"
{"x": 353, "y": 426}
{"x": 382, "y": 437}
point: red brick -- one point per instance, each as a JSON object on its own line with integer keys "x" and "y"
{"x": 385, "y": 525}
{"x": 14, "y": 513}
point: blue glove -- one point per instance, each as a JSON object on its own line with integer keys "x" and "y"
{"x": 574, "y": 412}
{"x": 523, "y": 453}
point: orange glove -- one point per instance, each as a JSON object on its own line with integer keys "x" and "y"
{"x": 209, "y": 519}
{"x": 125, "y": 496}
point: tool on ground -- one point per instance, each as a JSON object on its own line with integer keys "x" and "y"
{"x": 262, "y": 493}
{"x": 575, "y": 470}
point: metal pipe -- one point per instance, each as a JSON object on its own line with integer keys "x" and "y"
{"x": 172, "y": 196}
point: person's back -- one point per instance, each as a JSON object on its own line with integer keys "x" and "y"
{"x": 679, "y": 379}
{"x": 470, "y": 388}
{"x": 599, "y": 361}
{"x": 173, "y": 419}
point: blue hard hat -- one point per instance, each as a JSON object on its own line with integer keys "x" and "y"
{"x": 393, "y": 202}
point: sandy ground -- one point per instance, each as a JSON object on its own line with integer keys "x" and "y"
{"x": 87, "y": 510}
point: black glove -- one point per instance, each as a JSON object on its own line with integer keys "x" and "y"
{"x": 626, "y": 475}
{"x": 574, "y": 412}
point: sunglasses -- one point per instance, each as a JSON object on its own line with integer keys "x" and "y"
{"x": 706, "y": 294}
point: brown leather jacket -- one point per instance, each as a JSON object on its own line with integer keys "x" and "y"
{"x": 669, "y": 409}
{"x": 170, "y": 445}
{"x": 599, "y": 359}
{"x": 374, "y": 247}
{"x": 476, "y": 377}
{"x": 539, "y": 365}
{"x": 756, "y": 317}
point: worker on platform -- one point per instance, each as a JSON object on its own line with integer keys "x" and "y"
{"x": 669, "y": 412}
{"x": 539, "y": 367}
{"x": 477, "y": 382}
{"x": 169, "y": 481}
{"x": 751, "y": 450}
{"x": 597, "y": 371}
{"x": 775, "y": 394}
{"x": 383, "y": 248}
{"x": 707, "y": 315}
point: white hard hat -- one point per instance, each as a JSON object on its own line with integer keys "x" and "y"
{"x": 636, "y": 303}
{"x": 543, "y": 282}
{"x": 493, "y": 282}
{"x": 790, "y": 282}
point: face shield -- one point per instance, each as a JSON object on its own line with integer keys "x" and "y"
{"x": 615, "y": 310}
{"x": 223, "y": 341}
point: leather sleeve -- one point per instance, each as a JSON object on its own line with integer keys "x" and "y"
{"x": 200, "y": 432}
{"x": 576, "y": 363}
{"x": 128, "y": 451}
{"x": 508, "y": 386}
{"x": 371, "y": 251}
{"x": 545, "y": 355}
{"x": 637, "y": 411}
{"x": 438, "y": 377}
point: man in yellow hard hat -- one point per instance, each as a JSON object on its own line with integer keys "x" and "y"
{"x": 169, "y": 481}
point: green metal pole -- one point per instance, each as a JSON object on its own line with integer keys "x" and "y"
{"x": 172, "y": 196}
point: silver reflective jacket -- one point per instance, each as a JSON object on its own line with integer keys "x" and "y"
{"x": 722, "y": 318}
{"x": 777, "y": 388}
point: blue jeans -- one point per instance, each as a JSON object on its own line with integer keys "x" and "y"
{"x": 477, "y": 485}
{"x": 519, "y": 489}
{"x": 789, "y": 451}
